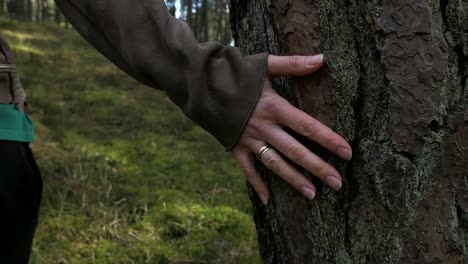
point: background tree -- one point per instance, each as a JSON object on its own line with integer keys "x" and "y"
{"x": 395, "y": 85}
{"x": 39, "y": 11}
{"x": 171, "y": 6}
{"x": 209, "y": 19}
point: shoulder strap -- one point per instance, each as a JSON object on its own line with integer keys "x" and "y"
{"x": 6, "y": 66}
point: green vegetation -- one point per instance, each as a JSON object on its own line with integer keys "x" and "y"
{"x": 128, "y": 179}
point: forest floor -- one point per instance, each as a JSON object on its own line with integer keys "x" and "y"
{"x": 127, "y": 178}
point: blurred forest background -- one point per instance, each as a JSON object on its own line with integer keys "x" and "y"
{"x": 209, "y": 19}
{"x": 127, "y": 178}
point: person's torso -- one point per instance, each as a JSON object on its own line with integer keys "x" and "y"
{"x": 14, "y": 124}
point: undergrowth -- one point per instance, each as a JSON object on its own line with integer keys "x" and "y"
{"x": 127, "y": 178}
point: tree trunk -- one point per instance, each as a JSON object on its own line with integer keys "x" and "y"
{"x": 29, "y": 10}
{"x": 189, "y": 12}
{"x": 19, "y": 8}
{"x": 204, "y": 21}
{"x": 38, "y": 12}
{"x": 45, "y": 11}
{"x": 395, "y": 86}
{"x": 57, "y": 15}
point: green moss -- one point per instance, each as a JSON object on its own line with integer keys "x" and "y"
{"x": 121, "y": 164}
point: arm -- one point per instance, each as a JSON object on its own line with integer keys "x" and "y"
{"x": 11, "y": 91}
{"x": 208, "y": 81}
{"x": 222, "y": 91}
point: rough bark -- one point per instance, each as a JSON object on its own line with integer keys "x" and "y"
{"x": 395, "y": 86}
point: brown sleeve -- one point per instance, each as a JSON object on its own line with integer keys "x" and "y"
{"x": 214, "y": 85}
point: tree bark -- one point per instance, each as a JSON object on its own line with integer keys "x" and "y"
{"x": 394, "y": 85}
{"x": 57, "y": 15}
{"x": 45, "y": 11}
{"x": 29, "y": 10}
{"x": 19, "y": 8}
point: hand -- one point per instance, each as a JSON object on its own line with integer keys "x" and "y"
{"x": 21, "y": 107}
{"x": 265, "y": 129}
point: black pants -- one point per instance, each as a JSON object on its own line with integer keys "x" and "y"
{"x": 20, "y": 196}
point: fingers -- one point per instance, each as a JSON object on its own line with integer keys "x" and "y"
{"x": 302, "y": 156}
{"x": 293, "y": 65}
{"x": 247, "y": 166}
{"x": 314, "y": 130}
{"x": 273, "y": 161}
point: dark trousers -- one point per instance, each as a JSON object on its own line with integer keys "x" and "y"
{"x": 20, "y": 196}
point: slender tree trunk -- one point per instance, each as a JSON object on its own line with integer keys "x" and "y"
{"x": 204, "y": 21}
{"x": 19, "y": 8}
{"x": 395, "y": 86}
{"x": 172, "y": 7}
{"x": 196, "y": 20}
{"x": 189, "y": 12}
{"x": 29, "y": 9}
{"x": 38, "y": 11}
{"x": 45, "y": 11}
{"x": 227, "y": 35}
{"x": 57, "y": 15}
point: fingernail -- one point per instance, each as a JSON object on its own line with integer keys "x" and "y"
{"x": 314, "y": 60}
{"x": 263, "y": 198}
{"x": 308, "y": 192}
{"x": 345, "y": 153}
{"x": 333, "y": 182}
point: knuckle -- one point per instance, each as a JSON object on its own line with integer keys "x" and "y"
{"x": 295, "y": 152}
{"x": 272, "y": 162}
{"x": 237, "y": 152}
{"x": 294, "y": 61}
{"x": 271, "y": 106}
{"x": 334, "y": 143}
{"x": 247, "y": 172}
{"x": 257, "y": 126}
{"x": 322, "y": 170}
{"x": 308, "y": 129}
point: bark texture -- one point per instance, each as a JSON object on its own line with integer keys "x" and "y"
{"x": 395, "y": 86}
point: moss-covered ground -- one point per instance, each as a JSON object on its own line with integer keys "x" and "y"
{"x": 127, "y": 178}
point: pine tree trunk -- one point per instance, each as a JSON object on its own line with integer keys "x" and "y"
{"x": 29, "y": 10}
{"x": 395, "y": 86}
{"x": 57, "y": 15}
{"x": 19, "y": 8}
{"x": 45, "y": 11}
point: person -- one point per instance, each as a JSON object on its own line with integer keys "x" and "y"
{"x": 20, "y": 179}
{"x": 224, "y": 92}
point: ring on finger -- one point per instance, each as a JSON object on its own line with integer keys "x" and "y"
{"x": 261, "y": 152}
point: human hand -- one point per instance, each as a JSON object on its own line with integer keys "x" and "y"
{"x": 21, "y": 107}
{"x": 265, "y": 128}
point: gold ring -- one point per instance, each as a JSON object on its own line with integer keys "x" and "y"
{"x": 261, "y": 152}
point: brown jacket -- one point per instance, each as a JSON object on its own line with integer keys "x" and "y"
{"x": 214, "y": 85}
{"x": 11, "y": 90}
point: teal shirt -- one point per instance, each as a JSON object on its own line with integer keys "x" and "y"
{"x": 15, "y": 125}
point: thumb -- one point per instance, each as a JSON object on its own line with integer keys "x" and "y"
{"x": 294, "y": 65}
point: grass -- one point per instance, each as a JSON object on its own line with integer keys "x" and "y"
{"x": 128, "y": 179}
